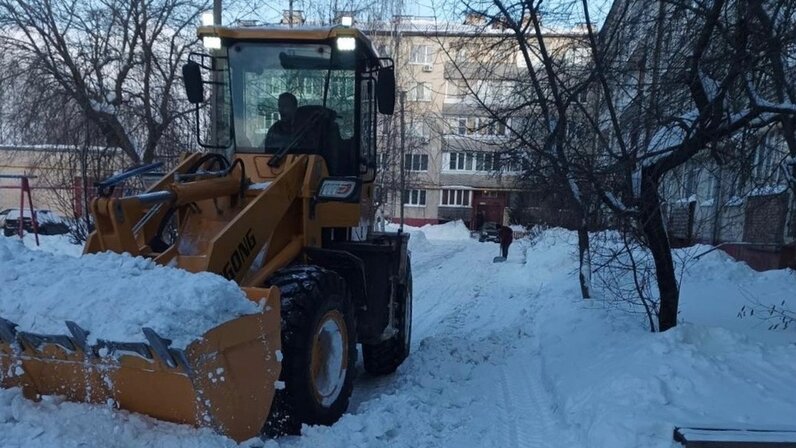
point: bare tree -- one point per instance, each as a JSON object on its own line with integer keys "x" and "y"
{"x": 115, "y": 62}
{"x": 670, "y": 99}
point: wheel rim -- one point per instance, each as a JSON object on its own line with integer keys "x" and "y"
{"x": 329, "y": 358}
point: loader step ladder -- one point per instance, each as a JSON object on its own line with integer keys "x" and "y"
{"x": 716, "y": 437}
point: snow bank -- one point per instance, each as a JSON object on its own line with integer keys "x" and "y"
{"x": 618, "y": 385}
{"x": 450, "y": 231}
{"x": 112, "y": 296}
{"x": 54, "y": 244}
{"x": 422, "y": 237}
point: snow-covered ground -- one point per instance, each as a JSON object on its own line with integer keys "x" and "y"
{"x": 508, "y": 355}
{"x": 54, "y": 244}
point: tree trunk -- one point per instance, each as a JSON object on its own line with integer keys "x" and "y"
{"x": 658, "y": 242}
{"x": 584, "y": 258}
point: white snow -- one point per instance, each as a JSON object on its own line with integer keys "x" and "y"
{"x": 54, "y": 244}
{"x": 508, "y": 355}
{"x": 687, "y": 200}
{"x": 768, "y": 190}
{"x": 112, "y": 296}
{"x": 734, "y": 201}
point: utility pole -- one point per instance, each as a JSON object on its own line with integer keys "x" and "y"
{"x": 214, "y": 125}
{"x": 290, "y": 14}
{"x": 216, "y": 12}
{"x": 403, "y": 148}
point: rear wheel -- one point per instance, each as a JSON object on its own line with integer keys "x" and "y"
{"x": 319, "y": 349}
{"x": 385, "y": 357}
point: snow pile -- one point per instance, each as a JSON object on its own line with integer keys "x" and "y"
{"x": 54, "y": 244}
{"x": 618, "y": 385}
{"x": 113, "y": 296}
{"x": 418, "y": 241}
{"x": 450, "y": 231}
{"x": 716, "y": 288}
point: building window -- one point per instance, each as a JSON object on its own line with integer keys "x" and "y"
{"x": 455, "y": 198}
{"x": 421, "y": 54}
{"x": 381, "y": 161}
{"x": 420, "y": 92}
{"x": 276, "y": 85}
{"x": 456, "y": 90}
{"x": 416, "y": 162}
{"x": 418, "y": 129}
{"x": 270, "y": 119}
{"x": 474, "y": 126}
{"x": 311, "y": 87}
{"x": 484, "y": 162}
{"x": 769, "y": 159}
{"x": 415, "y": 197}
{"x": 385, "y": 123}
{"x": 461, "y": 161}
{"x": 487, "y": 161}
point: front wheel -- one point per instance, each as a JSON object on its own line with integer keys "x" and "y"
{"x": 319, "y": 349}
{"x": 384, "y": 357}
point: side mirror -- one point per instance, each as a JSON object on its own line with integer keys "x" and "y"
{"x": 194, "y": 86}
{"x": 385, "y": 90}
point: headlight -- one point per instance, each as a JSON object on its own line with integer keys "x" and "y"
{"x": 346, "y": 43}
{"x": 212, "y": 42}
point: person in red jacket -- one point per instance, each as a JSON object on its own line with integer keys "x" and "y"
{"x": 506, "y": 236}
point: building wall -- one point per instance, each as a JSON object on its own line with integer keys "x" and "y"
{"x": 29, "y": 163}
{"x": 55, "y": 179}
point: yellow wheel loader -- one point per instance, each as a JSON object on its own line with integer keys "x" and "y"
{"x": 281, "y": 205}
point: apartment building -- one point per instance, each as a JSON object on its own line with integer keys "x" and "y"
{"x": 455, "y": 154}
{"x": 740, "y": 195}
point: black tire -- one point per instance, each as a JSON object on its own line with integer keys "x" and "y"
{"x": 311, "y": 298}
{"x": 8, "y": 232}
{"x": 385, "y": 357}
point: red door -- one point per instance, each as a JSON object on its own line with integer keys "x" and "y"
{"x": 488, "y": 206}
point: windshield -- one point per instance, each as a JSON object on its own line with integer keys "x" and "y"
{"x": 279, "y": 91}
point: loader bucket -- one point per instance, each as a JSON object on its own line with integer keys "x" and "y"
{"x": 224, "y": 380}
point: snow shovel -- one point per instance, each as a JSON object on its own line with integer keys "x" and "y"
{"x": 500, "y": 258}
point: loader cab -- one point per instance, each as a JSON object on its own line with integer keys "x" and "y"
{"x": 281, "y": 91}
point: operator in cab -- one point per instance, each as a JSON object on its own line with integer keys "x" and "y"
{"x": 283, "y": 131}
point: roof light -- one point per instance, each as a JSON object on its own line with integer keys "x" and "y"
{"x": 207, "y": 18}
{"x": 346, "y": 43}
{"x": 212, "y": 42}
{"x": 347, "y": 20}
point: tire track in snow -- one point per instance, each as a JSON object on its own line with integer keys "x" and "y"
{"x": 530, "y": 417}
{"x": 467, "y": 358}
